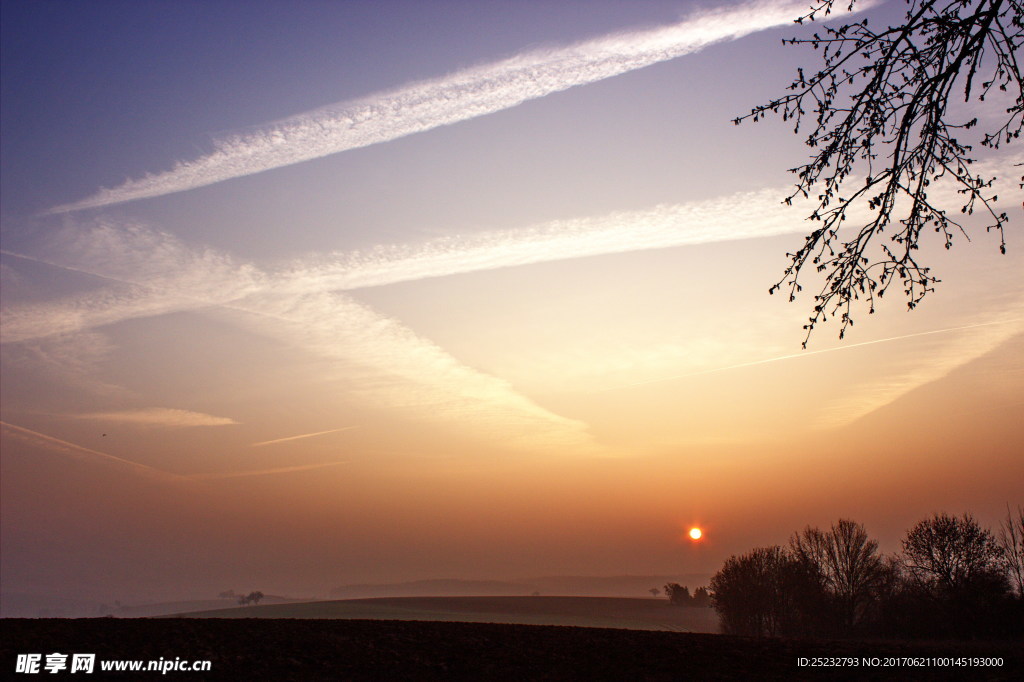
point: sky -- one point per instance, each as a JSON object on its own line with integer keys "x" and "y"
{"x": 296, "y": 295}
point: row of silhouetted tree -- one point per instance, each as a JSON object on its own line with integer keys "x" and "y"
{"x": 243, "y": 599}
{"x": 952, "y": 578}
{"x": 679, "y": 595}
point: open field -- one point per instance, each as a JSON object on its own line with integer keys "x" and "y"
{"x": 604, "y": 612}
{"x": 285, "y": 649}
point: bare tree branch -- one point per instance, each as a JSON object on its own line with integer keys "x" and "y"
{"x": 881, "y": 131}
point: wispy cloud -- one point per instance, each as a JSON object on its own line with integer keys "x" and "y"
{"x": 72, "y": 359}
{"x": 152, "y": 273}
{"x": 301, "y": 436}
{"x": 108, "y": 305}
{"x": 37, "y": 439}
{"x": 733, "y": 217}
{"x": 159, "y": 416}
{"x": 387, "y": 364}
{"x": 449, "y": 99}
{"x": 934, "y": 361}
{"x": 743, "y": 215}
{"x": 1009, "y": 327}
{"x": 144, "y": 273}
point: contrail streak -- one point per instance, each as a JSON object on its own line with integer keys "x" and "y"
{"x": 804, "y": 354}
{"x": 262, "y": 472}
{"x": 79, "y": 452}
{"x": 922, "y": 368}
{"x": 304, "y": 435}
{"x": 217, "y": 281}
{"x": 460, "y": 96}
{"x": 738, "y": 216}
{"x": 164, "y": 276}
{"x": 744, "y": 215}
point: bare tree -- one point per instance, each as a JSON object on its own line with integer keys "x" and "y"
{"x": 1011, "y": 540}
{"x": 883, "y": 132}
{"x": 948, "y": 553}
{"x": 846, "y": 562}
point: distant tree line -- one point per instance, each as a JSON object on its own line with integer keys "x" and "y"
{"x": 679, "y": 595}
{"x": 242, "y": 599}
{"x": 951, "y": 579}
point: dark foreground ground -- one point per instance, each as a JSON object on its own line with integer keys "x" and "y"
{"x": 284, "y": 649}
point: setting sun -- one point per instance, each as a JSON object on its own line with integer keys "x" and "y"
{"x": 696, "y": 533}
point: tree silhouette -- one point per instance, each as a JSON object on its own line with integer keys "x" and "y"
{"x": 883, "y": 133}
{"x": 948, "y": 553}
{"x": 701, "y": 597}
{"x": 678, "y": 595}
{"x": 251, "y": 598}
{"x": 1011, "y": 540}
{"x": 848, "y": 565}
{"x": 952, "y": 580}
{"x": 760, "y": 593}
{"x": 956, "y": 567}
